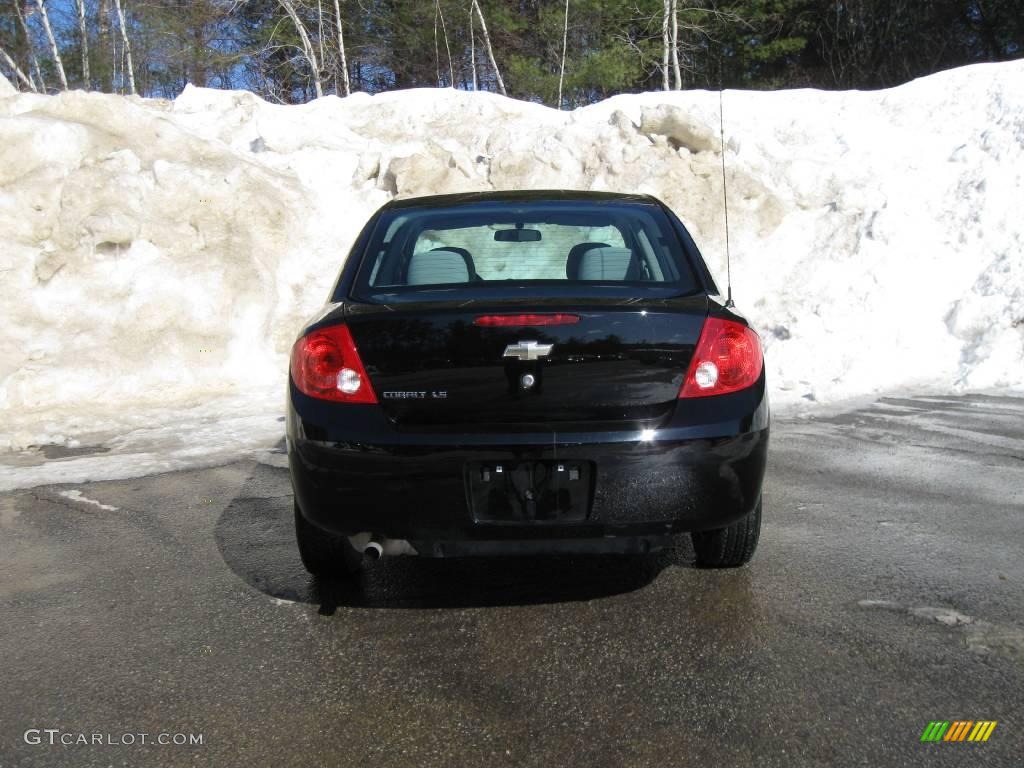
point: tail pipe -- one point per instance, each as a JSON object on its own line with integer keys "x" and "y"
{"x": 374, "y": 547}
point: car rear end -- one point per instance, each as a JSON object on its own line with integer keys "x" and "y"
{"x": 542, "y": 372}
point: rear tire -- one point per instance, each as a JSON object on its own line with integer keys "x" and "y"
{"x": 323, "y": 553}
{"x": 729, "y": 547}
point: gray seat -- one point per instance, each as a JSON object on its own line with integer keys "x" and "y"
{"x": 437, "y": 266}
{"x": 605, "y": 264}
{"x": 572, "y": 263}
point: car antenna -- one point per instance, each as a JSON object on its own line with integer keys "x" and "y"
{"x": 725, "y": 194}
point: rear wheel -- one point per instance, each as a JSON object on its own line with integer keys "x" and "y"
{"x": 324, "y": 553}
{"x": 729, "y": 547}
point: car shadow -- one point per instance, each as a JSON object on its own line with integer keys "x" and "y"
{"x": 255, "y": 536}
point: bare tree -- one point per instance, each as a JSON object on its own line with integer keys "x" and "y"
{"x": 861, "y": 46}
{"x": 675, "y": 46}
{"x": 439, "y": 14}
{"x": 114, "y": 82}
{"x": 86, "y": 80}
{"x": 490, "y": 50}
{"x": 666, "y": 12}
{"x": 472, "y": 46}
{"x": 53, "y": 43}
{"x": 106, "y": 43}
{"x": 685, "y": 42}
{"x": 565, "y": 43}
{"x": 29, "y": 46}
{"x": 341, "y": 50}
{"x": 307, "y": 45}
{"x": 17, "y": 70}
{"x": 320, "y": 30}
{"x": 126, "y": 47}
{"x": 437, "y": 54}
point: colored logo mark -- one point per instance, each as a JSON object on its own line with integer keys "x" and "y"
{"x": 958, "y": 730}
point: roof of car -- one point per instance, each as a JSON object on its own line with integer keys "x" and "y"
{"x": 519, "y": 196}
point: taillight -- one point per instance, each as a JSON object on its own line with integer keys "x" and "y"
{"x": 728, "y": 358}
{"x": 326, "y": 365}
{"x": 514, "y": 321}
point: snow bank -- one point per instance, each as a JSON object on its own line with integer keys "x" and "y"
{"x": 158, "y": 257}
{"x": 6, "y": 89}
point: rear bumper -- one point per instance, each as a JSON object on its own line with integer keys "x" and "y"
{"x": 353, "y": 472}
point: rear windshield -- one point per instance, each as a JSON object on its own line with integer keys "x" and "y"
{"x": 543, "y": 249}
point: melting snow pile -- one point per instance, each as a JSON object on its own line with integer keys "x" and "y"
{"x": 157, "y": 258}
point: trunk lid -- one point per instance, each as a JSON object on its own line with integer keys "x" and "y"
{"x": 622, "y": 363}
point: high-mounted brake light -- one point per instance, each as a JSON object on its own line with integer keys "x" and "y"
{"x": 728, "y": 358}
{"x": 326, "y": 365}
{"x": 516, "y": 321}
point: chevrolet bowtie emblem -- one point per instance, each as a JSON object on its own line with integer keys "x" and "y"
{"x": 528, "y": 350}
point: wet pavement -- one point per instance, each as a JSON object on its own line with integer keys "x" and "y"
{"x": 887, "y": 592}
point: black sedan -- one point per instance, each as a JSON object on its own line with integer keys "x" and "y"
{"x": 525, "y": 372}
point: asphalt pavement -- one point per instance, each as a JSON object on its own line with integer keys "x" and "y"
{"x": 887, "y": 593}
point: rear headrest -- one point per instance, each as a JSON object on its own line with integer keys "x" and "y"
{"x": 438, "y": 266}
{"x": 572, "y": 262}
{"x": 466, "y": 257}
{"x": 605, "y": 264}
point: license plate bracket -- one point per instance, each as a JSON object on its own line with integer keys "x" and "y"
{"x": 530, "y": 491}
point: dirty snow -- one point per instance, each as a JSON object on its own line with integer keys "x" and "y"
{"x": 77, "y": 496}
{"x": 979, "y": 636}
{"x": 158, "y": 257}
